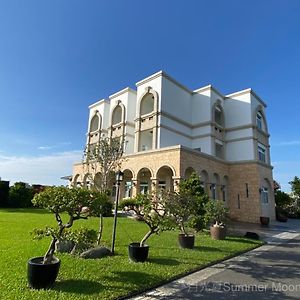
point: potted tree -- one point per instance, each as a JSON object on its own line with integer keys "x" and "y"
{"x": 187, "y": 208}
{"x": 216, "y": 215}
{"x": 187, "y": 211}
{"x": 151, "y": 210}
{"x": 42, "y": 271}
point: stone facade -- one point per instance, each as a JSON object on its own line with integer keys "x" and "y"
{"x": 170, "y": 131}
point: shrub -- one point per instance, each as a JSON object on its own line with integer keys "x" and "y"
{"x": 216, "y": 213}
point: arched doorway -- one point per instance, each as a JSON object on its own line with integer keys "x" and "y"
{"x": 127, "y": 184}
{"x": 144, "y": 181}
{"x": 164, "y": 178}
{"x": 215, "y": 186}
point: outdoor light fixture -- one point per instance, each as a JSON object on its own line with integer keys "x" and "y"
{"x": 119, "y": 179}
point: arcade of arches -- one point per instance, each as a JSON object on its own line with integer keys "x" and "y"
{"x": 238, "y": 185}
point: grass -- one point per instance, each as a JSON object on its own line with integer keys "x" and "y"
{"x": 109, "y": 277}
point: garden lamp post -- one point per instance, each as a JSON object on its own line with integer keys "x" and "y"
{"x": 119, "y": 179}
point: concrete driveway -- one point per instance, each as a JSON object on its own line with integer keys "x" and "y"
{"x": 268, "y": 272}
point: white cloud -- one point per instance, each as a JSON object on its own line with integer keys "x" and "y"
{"x": 46, "y": 169}
{"x": 45, "y": 147}
{"x": 54, "y": 146}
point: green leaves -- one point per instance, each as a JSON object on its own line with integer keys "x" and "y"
{"x": 151, "y": 208}
{"x": 62, "y": 199}
{"x": 100, "y": 204}
{"x": 295, "y": 186}
{"x": 216, "y": 212}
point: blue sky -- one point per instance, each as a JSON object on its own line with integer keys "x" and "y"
{"x": 57, "y": 57}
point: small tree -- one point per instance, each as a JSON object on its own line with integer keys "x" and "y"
{"x": 59, "y": 200}
{"x": 150, "y": 208}
{"x": 282, "y": 199}
{"x": 20, "y": 195}
{"x": 193, "y": 198}
{"x": 103, "y": 159}
{"x": 101, "y": 206}
{"x": 216, "y": 213}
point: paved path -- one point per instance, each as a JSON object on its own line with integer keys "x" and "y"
{"x": 268, "y": 272}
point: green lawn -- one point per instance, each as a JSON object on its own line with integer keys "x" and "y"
{"x": 110, "y": 277}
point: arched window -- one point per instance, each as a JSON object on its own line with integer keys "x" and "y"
{"x": 218, "y": 115}
{"x": 94, "y": 123}
{"x": 117, "y": 115}
{"x": 147, "y": 104}
{"x": 259, "y": 120}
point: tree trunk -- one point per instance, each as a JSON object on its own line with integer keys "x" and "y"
{"x": 49, "y": 254}
{"x": 148, "y": 234}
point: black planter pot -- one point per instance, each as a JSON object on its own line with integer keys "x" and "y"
{"x": 138, "y": 253}
{"x": 186, "y": 241}
{"x": 42, "y": 276}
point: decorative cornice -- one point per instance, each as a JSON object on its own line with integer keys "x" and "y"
{"x": 246, "y": 91}
{"x": 242, "y": 127}
{"x": 174, "y": 118}
{"x": 149, "y": 78}
{"x": 98, "y": 103}
{"x": 240, "y": 139}
{"x": 197, "y": 153}
{"x": 208, "y": 87}
{"x": 175, "y": 131}
{"x": 165, "y": 75}
{"x": 121, "y": 92}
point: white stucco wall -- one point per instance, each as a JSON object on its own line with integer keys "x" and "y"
{"x": 240, "y": 150}
{"x": 185, "y": 117}
{"x": 170, "y": 138}
{"x": 237, "y": 110}
{"x": 175, "y": 100}
{"x": 204, "y": 143}
{"x": 201, "y": 105}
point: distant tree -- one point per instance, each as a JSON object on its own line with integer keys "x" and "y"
{"x": 4, "y": 190}
{"x": 282, "y": 199}
{"x": 20, "y": 195}
{"x": 295, "y": 187}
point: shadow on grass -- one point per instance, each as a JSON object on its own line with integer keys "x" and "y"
{"x": 207, "y": 248}
{"x": 134, "y": 278}
{"x": 164, "y": 261}
{"x": 78, "y": 286}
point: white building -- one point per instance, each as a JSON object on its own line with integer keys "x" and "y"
{"x": 170, "y": 131}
